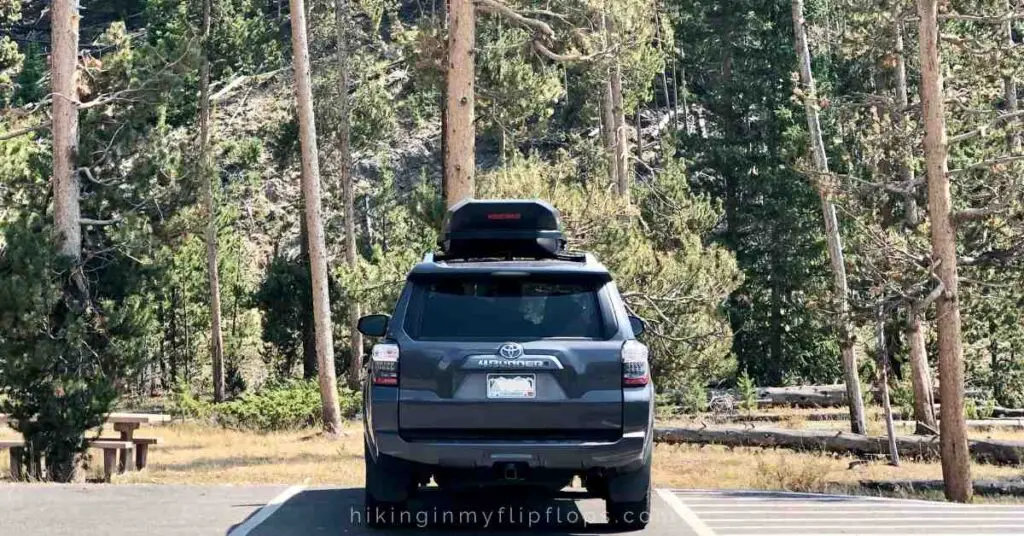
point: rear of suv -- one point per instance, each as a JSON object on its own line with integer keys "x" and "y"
{"x": 508, "y": 362}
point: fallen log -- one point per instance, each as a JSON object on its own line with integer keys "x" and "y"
{"x": 807, "y": 396}
{"x": 826, "y": 396}
{"x": 1007, "y": 412}
{"x": 1014, "y": 488}
{"x": 983, "y": 424}
{"x": 920, "y": 447}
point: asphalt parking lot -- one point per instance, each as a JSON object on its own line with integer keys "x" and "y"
{"x": 165, "y": 510}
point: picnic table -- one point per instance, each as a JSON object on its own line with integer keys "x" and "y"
{"x": 125, "y": 424}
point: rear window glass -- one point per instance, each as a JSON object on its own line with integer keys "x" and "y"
{"x": 505, "y": 309}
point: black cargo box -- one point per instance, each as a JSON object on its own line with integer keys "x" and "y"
{"x": 482, "y": 229}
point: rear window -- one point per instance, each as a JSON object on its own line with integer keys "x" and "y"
{"x": 505, "y": 309}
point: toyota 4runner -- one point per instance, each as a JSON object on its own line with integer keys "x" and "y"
{"x": 508, "y": 362}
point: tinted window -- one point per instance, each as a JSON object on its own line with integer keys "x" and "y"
{"x": 505, "y": 309}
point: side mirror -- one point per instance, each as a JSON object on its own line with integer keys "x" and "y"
{"x": 373, "y": 325}
{"x": 637, "y": 325}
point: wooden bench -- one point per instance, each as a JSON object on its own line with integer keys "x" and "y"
{"x": 142, "y": 445}
{"x": 15, "y": 447}
{"x": 110, "y": 449}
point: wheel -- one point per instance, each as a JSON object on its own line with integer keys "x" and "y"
{"x": 629, "y": 515}
{"x": 386, "y": 490}
{"x": 628, "y": 502}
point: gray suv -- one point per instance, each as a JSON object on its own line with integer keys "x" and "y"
{"x": 508, "y": 362}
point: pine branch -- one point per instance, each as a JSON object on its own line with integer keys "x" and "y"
{"x": 984, "y": 128}
{"x": 932, "y": 296}
{"x": 21, "y": 131}
{"x": 497, "y": 8}
{"x": 976, "y": 214}
{"x": 567, "y": 58}
{"x": 91, "y": 221}
{"x": 998, "y": 19}
{"x": 988, "y": 163}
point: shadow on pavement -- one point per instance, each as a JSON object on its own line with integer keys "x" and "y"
{"x": 341, "y": 511}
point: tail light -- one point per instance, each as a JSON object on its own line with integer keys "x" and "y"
{"x": 636, "y": 372}
{"x": 384, "y": 364}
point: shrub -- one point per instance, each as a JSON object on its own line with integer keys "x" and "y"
{"x": 747, "y": 391}
{"x": 695, "y": 397}
{"x": 808, "y": 475}
{"x": 285, "y": 406}
{"x": 902, "y": 396}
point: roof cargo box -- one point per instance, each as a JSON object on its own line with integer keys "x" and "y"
{"x": 502, "y": 229}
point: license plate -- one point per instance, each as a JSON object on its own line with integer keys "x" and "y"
{"x": 511, "y": 386}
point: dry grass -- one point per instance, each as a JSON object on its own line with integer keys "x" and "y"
{"x": 200, "y": 454}
{"x": 193, "y": 453}
{"x": 694, "y": 466}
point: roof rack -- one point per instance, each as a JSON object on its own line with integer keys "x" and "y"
{"x": 568, "y": 256}
{"x": 483, "y": 230}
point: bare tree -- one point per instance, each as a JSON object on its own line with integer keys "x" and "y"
{"x": 64, "y": 60}
{"x": 956, "y": 468}
{"x": 832, "y": 238}
{"x": 882, "y": 356}
{"x": 608, "y": 130}
{"x": 347, "y": 183}
{"x": 623, "y": 171}
{"x": 460, "y": 133}
{"x": 920, "y": 376}
{"x": 1014, "y": 138}
{"x": 207, "y": 172}
{"x": 314, "y": 223}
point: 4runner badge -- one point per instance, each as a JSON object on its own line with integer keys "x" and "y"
{"x": 510, "y": 350}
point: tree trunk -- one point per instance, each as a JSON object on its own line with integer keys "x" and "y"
{"x": 309, "y": 366}
{"x": 832, "y": 238}
{"x": 206, "y": 171}
{"x": 314, "y": 224}
{"x": 355, "y": 366}
{"x": 1014, "y": 139}
{"x": 883, "y": 371}
{"x": 608, "y": 129}
{"x": 460, "y": 140}
{"x": 920, "y": 376}
{"x": 64, "y": 60}
{"x": 618, "y": 115}
{"x": 623, "y": 171}
{"x": 443, "y": 105}
{"x": 911, "y": 213}
{"x": 956, "y": 468}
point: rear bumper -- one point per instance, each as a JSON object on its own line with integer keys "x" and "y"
{"x": 624, "y": 454}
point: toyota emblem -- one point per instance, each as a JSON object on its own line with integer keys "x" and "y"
{"x": 510, "y": 350}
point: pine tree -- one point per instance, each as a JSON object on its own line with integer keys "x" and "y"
{"x": 314, "y": 222}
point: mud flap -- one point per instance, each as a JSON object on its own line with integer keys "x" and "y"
{"x": 388, "y": 480}
{"x": 632, "y": 486}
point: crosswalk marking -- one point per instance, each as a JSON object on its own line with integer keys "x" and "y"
{"x": 685, "y": 513}
{"x": 736, "y": 513}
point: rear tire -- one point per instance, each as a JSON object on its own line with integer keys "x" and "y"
{"x": 386, "y": 490}
{"x": 629, "y": 515}
{"x": 628, "y": 503}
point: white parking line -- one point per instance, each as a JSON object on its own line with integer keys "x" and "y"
{"x": 264, "y": 513}
{"x": 684, "y": 512}
{"x": 763, "y": 529}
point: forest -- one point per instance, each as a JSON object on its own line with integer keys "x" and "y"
{"x": 761, "y": 177}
